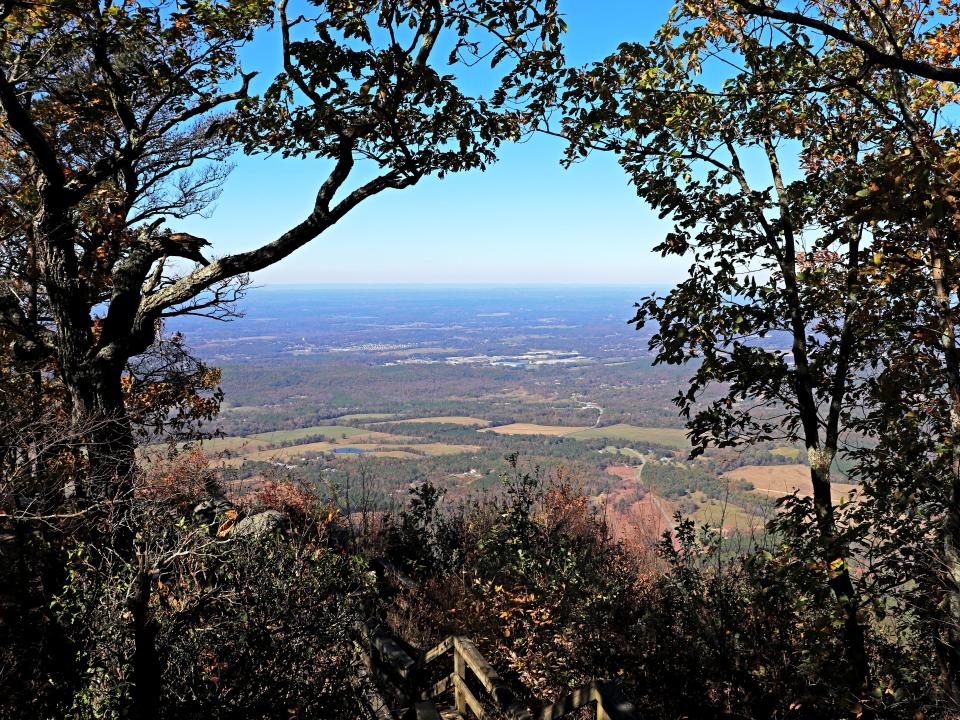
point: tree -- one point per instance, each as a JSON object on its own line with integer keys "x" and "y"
{"x": 923, "y": 47}
{"x": 113, "y": 120}
{"x": 754, "y": 173}
{"x": 107, "y": 130}
{"x": 872, "y": 214}
{"x": 218, "y": 615}
{"x": 909, "y": 51}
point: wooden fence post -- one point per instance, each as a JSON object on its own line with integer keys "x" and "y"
{"x": 459, "y": 671}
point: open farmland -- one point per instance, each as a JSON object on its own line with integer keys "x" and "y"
{"x": 726, "y": 516}
{"x": 463, "y": 420}
{"x": 786, "y": 452}
{"x": 368, "y": 434}
{"x": 533, "y": 429}
{"x": 364, "y": 417}
{"x": 285, "y": 437}
{"x": 779, "y": 480}
{"x": 234, "y": 445}
{"x": 669, "y": 437}
{"x": 342, "y": 441}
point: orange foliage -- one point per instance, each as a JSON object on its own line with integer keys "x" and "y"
{"x": 566, "y": 508}
{"x": 187, "y": 477}
{"x": 296, "y": 501}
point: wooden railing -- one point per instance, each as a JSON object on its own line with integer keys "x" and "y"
{"x": 610, "y": 703}
{"x": 466, "y": 658}
{"x": 470, "y": 671}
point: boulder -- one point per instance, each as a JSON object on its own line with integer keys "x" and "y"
{"x": 213, "y": 511}
{"x": 261, "y": 523}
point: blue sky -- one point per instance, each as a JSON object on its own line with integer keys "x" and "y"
{"x": 524, "y": 220}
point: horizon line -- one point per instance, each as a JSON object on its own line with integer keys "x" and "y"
{"x": 401, "y": 284}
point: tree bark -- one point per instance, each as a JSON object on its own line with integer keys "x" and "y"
{"x": 834, "y": 556}
{"x": 103, "y": 426}
{"x": 146, "y": 660}
{"x": 948, "y": 643}
{"x": 103, "y": 430}
{"x": 948, "y": 640}
{"x": 821, "y": 455}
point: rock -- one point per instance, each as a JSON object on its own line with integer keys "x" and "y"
{"x": 212, "y": 511}
{"x": 260, "y": 524}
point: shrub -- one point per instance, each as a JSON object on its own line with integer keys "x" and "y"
{"x": 553, "y": 602}
{"x": 204, "y": 624}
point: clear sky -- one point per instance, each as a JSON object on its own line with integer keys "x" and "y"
{"x": 524, "y": 220}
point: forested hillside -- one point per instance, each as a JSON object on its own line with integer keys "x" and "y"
{"x": 381, "y": 503}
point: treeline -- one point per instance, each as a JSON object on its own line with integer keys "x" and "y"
{"x": 315, "y": 390}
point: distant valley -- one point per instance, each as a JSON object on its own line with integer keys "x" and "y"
{"x": 398, "y": 385}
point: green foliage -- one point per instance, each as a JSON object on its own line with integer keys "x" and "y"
{"x": 424, "y": 542}
{"x": 259, "y": 626}
{"x": 346, "y": 90}
{"x": 552, "y": 601}
{"x": 529, "y": 578}
{"x": 676, "y": 480}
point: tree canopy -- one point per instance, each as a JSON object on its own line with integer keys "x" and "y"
{"x": 118, "y": 120}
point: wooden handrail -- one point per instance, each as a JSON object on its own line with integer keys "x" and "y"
{"x": 611, "y": 705}
{"x": 442, "y": 648}
{"x": 501, "y": 693}
{"x": 388, "y": 664}
{"x": 610, "y": 702}
{"x": 466, "y": 655}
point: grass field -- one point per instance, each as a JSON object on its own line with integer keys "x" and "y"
{"x": 233, "y": 444}
{"x": 787, "y": 452}
{"x": 375, "y": 444}
{"x": 214, "y": 446}
{"x": 464, "y": 420}
{"x": 364, "y": 417}
{"x": 669, "y": 437}
{"x": 295, "y": 451}
{"x": 282, "y": 437}
{"x": 779, "y": 480}
{"x": 718, "y": 513}
{"x": 533, "y": 429}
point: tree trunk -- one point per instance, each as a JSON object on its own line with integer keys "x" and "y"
{"x": 103, "y": 427}
{"x": 948, "y": 639}
{"x": 100, "y": 417}
{"x": 821, "y": 456}
{"x": 102, "y": 430}
{"x": 146, "y": 659}
{"x": 948, "y": 644}
{"x": 834, "y": 557}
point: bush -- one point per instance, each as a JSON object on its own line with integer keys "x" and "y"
{"x": 553, "y": 602}
{"x": 204, "y": 623}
